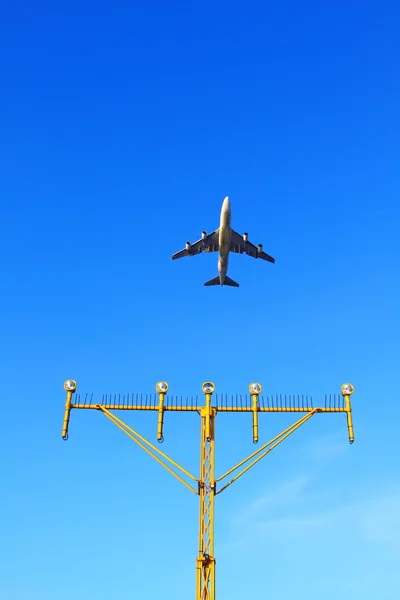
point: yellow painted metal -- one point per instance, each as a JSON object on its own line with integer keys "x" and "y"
{"x": 141, "y": 441}
{"x": 236, "y": 409}
{"x": 349, "y": 418}
{"x": 282, "y": 436}
{"x": 67, "y": 413}
{"x": 288, "y": 429}
{"x": 255, "y": 417}
{"x": 160, "y": 417}
{"x": 205, "y": 562}
{"x": 207, "y": 416}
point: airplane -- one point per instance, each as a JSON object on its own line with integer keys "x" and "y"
{"x": 224, "y": 240}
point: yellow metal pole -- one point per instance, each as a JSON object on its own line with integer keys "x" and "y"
{"x": 255, "y": 418}
{"x": 160, "y": 422}
{"x": 349, "y": 418}
{"x": 69, "y": 387}
{"x": 347, "y": 391}
{"x": 205, "y": 563}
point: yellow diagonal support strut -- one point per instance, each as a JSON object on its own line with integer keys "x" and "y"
{"x": 278, "y": 439}
{"x": 141, "y": 441}
{"x": 206, "y": 482}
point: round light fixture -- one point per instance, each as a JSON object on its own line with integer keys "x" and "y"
{"x": 70, "y": 385}
{"x": 347, "y": 389}
{"x": 208, "y": 387}
{"x": 162, "y": 387}
{"x": 255, "y": 389}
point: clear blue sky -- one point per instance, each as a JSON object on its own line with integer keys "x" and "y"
{"x": 123, "y": 126}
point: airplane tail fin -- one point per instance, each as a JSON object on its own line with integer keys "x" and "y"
{"x": 214, "y": 281}
{"x": 227, "y": 281}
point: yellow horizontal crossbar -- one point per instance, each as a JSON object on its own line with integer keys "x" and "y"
{"x": 141, "y": 441}
{"x": 216, "y": 408}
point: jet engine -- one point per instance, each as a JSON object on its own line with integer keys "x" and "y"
{"x": 260, "y": 247}
{"x": 188, "y": 245}
{"x": 204, "y": 235}
{"x": 245, "y": 237}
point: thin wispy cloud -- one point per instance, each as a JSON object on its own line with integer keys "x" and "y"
{"x": 326, "y": 448}
{"x": 294, "y": 513}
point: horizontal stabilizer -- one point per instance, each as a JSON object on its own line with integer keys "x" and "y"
{"x": 214, "y": 281}
{"x": 229, "y": 281}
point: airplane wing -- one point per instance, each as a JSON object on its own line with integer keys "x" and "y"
{"x": 241, "y": 245}
{"x": 208, "y": 243}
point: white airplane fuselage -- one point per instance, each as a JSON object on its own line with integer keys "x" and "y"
{"x": 224, "y": 239}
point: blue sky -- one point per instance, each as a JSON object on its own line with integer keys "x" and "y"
{"x": 123, "y": 126}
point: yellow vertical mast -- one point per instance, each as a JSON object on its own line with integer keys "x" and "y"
{"x": 205, "y": 564}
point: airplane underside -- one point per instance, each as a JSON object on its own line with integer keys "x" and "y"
{"x": 224, "y": 240}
